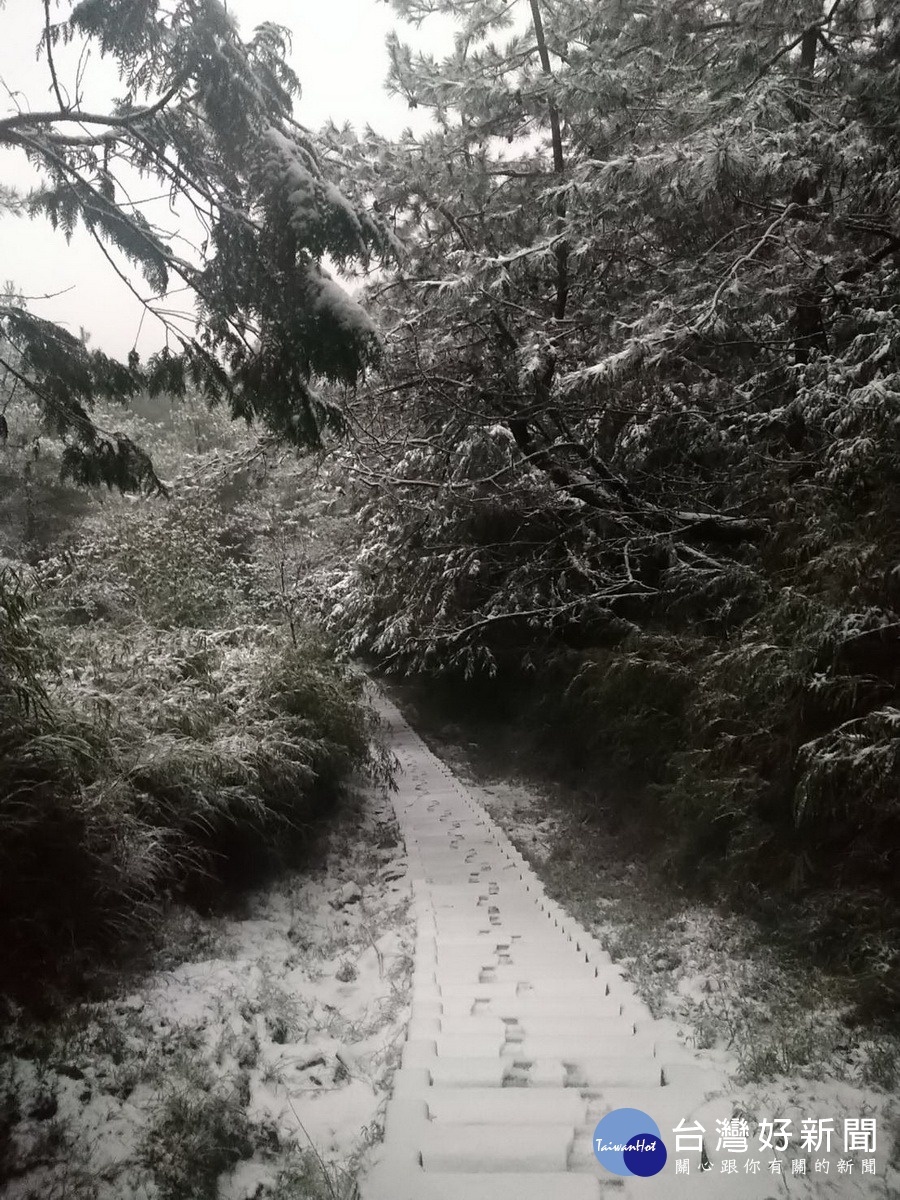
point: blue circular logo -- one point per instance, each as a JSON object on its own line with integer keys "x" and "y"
{"x": 628, "y": 1142}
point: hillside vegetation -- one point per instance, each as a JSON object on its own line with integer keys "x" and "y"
{"x": 622, "y": 395}
{"x": 171, "y": 726}
{"x": 630, "y": 466}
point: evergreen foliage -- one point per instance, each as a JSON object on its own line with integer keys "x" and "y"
{"x": 635, "y": 435}
{"x": 206, "y": 118}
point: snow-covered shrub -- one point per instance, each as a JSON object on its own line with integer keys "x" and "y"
{"x": 162, "y": 731}
{"x": 197, "y": 1135}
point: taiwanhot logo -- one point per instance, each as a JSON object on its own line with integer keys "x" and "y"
{"x": 628, "y": 1142}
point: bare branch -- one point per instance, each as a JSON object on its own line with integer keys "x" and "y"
{"x": 54, "y": 117}
{"x": 48, "y": 42}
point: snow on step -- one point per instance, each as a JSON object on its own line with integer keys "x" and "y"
{"x": 524, "y": 1009}
{"x": 511, "y": 1028}
{"x": 523, "y": 1032}
{"x": 506, "y": 1106}
{"x": 525, "y": 959}
{"x": 582, "y": 989}
{"x": 473, "y": 1149}
{"x": 386, "y": 1183}
{"x": 485, "y": 1045}
{"x": 511, "y": 1071}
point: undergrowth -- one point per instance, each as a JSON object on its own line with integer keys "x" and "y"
{"x": 689, "y": 758}
{"x": 163, "y": 732}
{"x": 197, "y": 1135}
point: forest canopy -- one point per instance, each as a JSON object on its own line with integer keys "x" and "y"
{"x": 633, "y": 448}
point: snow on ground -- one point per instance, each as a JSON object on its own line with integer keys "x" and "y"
{"x": 772, "y": 1028}
{"x": 255, "y": 1064}
{"x": 257, "y": 1067}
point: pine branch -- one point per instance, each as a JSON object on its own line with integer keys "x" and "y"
{"x": 559, "y": 165}
{"x": 30, "y": 120}
{"x": 48, "y": 42}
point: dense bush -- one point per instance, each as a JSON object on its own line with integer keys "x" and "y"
{"x": 164, "y": 732}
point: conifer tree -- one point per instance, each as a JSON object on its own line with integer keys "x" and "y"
{"x": 630, "y": 240}
{"x": 635, "y": 437}
{"x": 207, "y": 117}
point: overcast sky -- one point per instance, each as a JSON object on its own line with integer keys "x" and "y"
{"x": 340, "y": 56}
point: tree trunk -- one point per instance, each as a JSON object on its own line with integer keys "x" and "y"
{"x": 559, "y": 166}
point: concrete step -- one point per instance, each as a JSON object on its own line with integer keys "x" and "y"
{"x": 573, "y": 1048}
{"x": 525, "y": 1027}
{"x": 461, "y": 1072}
{"x": 497, "y": 935}
{"x": 536, "y": 959}
{"x": 521, "y": 1008}
{"x": 541, "y": 951}
{"x": 468, "y": 1149}
{"x": 496, "y": 1071}
{"x": 523, "y": 1031}
{"x": 506, "y": 1106}
{"x": 568, "y": 1049}
{"x": 566, "y": 975}
{"x": 386, "y": 1182}
{"x": 532, "y": 991}
{"x": 469, "y": 970}
{"x": 565, "y": 984}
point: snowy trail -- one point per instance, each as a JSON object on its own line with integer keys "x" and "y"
{"x": 523, "y": 1033}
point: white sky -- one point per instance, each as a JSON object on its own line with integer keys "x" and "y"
{"x": 339, "y": 55}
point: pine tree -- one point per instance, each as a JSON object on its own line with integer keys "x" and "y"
{"x": 208, "y": 117}
{"x": 631, "y": 236}
{"x": 636, "y": 431}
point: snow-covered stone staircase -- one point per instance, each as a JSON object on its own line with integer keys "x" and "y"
{"x": 523, "y": 1033}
